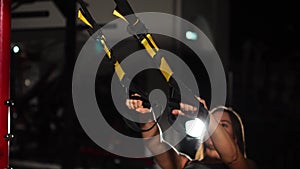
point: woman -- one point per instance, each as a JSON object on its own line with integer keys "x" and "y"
{"x": 218, "y": 151}
{"x": 224, "y": 149}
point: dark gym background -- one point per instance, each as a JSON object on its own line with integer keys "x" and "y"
{"x": 258, "y": 42}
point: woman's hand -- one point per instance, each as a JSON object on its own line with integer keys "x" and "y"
{"x": 137, "y": 105}
{"x": 170, "y": 158}
{"x": 188, "y": 110}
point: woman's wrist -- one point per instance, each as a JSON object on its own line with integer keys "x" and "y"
{"x": 146, "y": 126}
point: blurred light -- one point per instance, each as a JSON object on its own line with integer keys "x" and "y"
{"x": 98, "y": 46}
{"x": 195, "y": 128}
{"x": 27, "y": 82}
{"x": 117, "y": 161}
{"x": 15, "y": 115}
{"x": 191, "y": 35}
{"x": 16, "y": 49}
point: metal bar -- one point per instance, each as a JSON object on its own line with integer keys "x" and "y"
{"x": 4, "y": 78}
{"x": 31, "y": 14}
{"x": 34, "y": 164}
{"x": 69, "y": 149}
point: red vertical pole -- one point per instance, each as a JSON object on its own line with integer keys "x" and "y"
{"x": 4, "y": 78}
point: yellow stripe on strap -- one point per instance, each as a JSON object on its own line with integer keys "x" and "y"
{"x": 117, "y": 14}
{"x": 107, "y": 51}
{"x": 165, "y": 69}
{"x": 152, "y": 41}
{"x": 120, "y": 72}
{"x": 83, "y": 19}
{"x": 148, "y": 47}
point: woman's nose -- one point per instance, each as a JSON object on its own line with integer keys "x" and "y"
{"x": 208, "y": 141}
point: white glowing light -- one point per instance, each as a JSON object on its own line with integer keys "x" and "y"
{"x": 191, "y": 35}
{"x": 195, "y": 128}
{"x": 16, "y": 49}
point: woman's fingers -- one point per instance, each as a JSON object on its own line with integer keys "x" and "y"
{"x": 188, "y": 110}
{"x": 136, "y": 105}
{"x": 128, "y": 104}
{"x": 202, "y": 101}
{"x": 187, "y": 107}
{"x": 142, "y": 110}
{"x": 177, "y": 112}
{"x": 139, "y": 104}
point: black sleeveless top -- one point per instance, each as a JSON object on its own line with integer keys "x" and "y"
{"x": 198, "y": 165}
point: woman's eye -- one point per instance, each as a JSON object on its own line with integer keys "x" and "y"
{"x": 224, "y": 125}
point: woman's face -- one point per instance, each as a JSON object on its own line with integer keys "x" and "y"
{"x": 226, "y": 123}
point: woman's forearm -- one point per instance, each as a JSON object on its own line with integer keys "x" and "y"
{"x": 165, "y": 155}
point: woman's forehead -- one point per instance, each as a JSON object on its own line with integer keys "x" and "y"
{"x": 222, "y": 115}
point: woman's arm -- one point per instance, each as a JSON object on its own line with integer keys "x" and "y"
{"x": 170, "y": 158}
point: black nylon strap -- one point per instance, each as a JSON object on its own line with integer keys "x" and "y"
{"x": 86, "y": 13}
{"x": 137, "y": 28}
